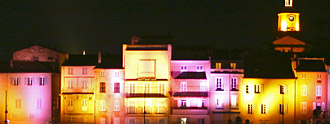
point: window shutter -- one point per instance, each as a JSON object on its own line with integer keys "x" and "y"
{"x": 37, "y": 81}
{"x": 262, "y": 88}
{"x": 25, "y": 80}
{"x": 11, "y": 81}
{"x": 45, "y": 81}
{"x": 314, "y": 105}
{"x": 19, "y": 80}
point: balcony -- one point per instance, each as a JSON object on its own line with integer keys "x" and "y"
{"x": 148, "y": 110}
{"x": 74, "y": 90}
{"x": 148, "y": 95}
{"x": 190, "y": 110}
{"x": 190, "y": 94}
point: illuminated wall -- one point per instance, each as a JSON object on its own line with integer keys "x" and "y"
{"x": 262, "y": 100}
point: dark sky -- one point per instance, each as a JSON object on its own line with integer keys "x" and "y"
{"x": 75, "y": 25}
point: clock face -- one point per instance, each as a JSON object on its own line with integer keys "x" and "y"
{"x": 291, "y": 18}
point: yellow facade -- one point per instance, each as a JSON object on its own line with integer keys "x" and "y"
{"x": 288, "y": 22}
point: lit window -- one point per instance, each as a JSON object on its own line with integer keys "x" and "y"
{"x": 263, "y": 108}
{"x": 318, "y": 76}
{"x": 304, "y": 107}
{"x": 249, "y": 108}
{"x": 70, "y": 85}
{"x": 15, "y": 81}
{"x": 102, "y": 73}
{"x": 233, "y": 101}
{"x": 234, "y": 84}
{"x": 131, "y": 106}
{"x": 147, "y": 106}
{"x": 116, "y": 88}
{"x": 18, "y": 103}
{"x": 102, "y": 105}
{"x": 283, "y": 108}
{"x": 70, "y": 105}
{"x": 84, "y": 104}
{"x": 161, "y": 106}
{"x": 199, "y": 68}
{"x": 282, "y": 89}
{"x": 218, "y": 81}
{"x": 117, "y": 74}
{"x": 70, "y": 71}
{"x": 218, "y": 65}
{"x": 183, "y": 121}
{"x": 184, "y": 68}
{"x": 257, "y": 88}
{"x": 132, "y": 88}
{"x": 219, "y": 101}
{"x": 29, "y": 81}
{"x": 42, "y": 81}
{"x": 203, "y": 87}
{"x": 39, "y": 104}
{"x": 161, "y": 88}
{"x": 233, "y": 65}
{"x": 147, "y": 88}
{"x": 303, "y": 90}
{"x": 116, "y": 121}
{"x": 116, "y": 105}
{"x": 84, "y": 84}
{"x": 183, "y": 87}
{"x": 303, "y": 76}
{"x": 318, "y": 90}
{"x": 84, "y": 71}
{"x": 102, "y": 87}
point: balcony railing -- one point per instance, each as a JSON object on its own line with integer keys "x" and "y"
{"x": 148, "y": 110}
{"x": 77, "y": 90}
{"x": 184, "y": 107}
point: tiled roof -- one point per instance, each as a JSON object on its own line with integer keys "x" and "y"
{"x": 191, "y": 75}
{"x": 111, "y": 62}
{"x": 29, "y": 66}
{"x": 81, "y": 60}
{"x": 190, "y": 52}
{"x": 311, "y": 65}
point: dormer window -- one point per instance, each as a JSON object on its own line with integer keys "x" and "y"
{"x": 218, "y": 65}
{"x": 233, "y": 65}
{"x": 35, "y": 58}
{"x": 183, "y": 68}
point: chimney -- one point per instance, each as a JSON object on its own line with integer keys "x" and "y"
{"x": 11, "y": 63}
{"x": 99, "y": 57}
{"x": 67, "y": 55}
{"x": 134, "y": 40}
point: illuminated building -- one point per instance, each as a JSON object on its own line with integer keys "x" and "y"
{"x": 225, "y": 89}
{"x": 109, "y": 91}
{"x": 77, "y": 89}
{"x": 147, "y": 77}
{"x": 32, "y": 82}
{"x": 288, "y": 18}
{"x": 311, "y": 88}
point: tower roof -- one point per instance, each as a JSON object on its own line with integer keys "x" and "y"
{"x": 289, "y": 9}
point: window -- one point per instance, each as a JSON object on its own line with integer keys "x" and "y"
{"x": 247, "y": 89}
{"x": 249, "y": 108}
{"x": 218, "y": 65}
{"x": 70, "y": 85}
{"x": 102, "y": 105}
{"x": 303, "y": 90}
{"x": 218, "y": 81}
{"x": 103, "y": 121}
{"x": 233, "y": 101}
{"x": 161, "y": 88}
{"x": 161, "y": 121}
{"x": 219, "y": 101}
{"x": 116, "y": 105}
{"x": 147, "y": 121}
{"x": 323, "y": 106}
{"x": 203, "y": 87}
{"x": 199, "y": 68}
{"x": 183, "y": 87}
{"x": 15, "y": 81}
{"x": 283, "y": 108}
{"x": 117, "y": 74}
{"x": 42, "y": 81}
{"x": 132, "y": 88}
{"x": 84, "y": 104}
{"x": 161, "y": 106}
{"x": 29, "y": 81}
{"x": 147, "y": 68}
{"x": 131, "y": 121}
{"x": 304, "y": 107}
{"x": 18, "y": 103}
{"x": 84, "y": 71}
{"x": 116, "y": 121}
{"x": 282, "y": 89}
{"x": 233, "y": 65}
{"x": 102, "y": 87}
{"x": 183, "y": 103}
{"x": 84, "y": 84}
{"x": 263, "y": 108}
{"x": 318, "y": 76}
{"x": 257, "y": 88}
{"x": 148, "y": 106}
{"x": 201, "y": 121}
{"x": 233, "y": 83}
{"x": 184, "y": 68}
{"x": 116, "y": 88}
{"x": 183, "y": 120}
{"x": 102, "y": 73}
{"x": 70, "y": 105}
{"x": 201, "y": 103}
{"x": 35, "y": 58}
{"x": 131, "y": 106}
{"x": 303, "y": 76}
{"x": 147, "y": 88}
{"x": 318, "y": 90}
{"x": 39, "y": 104}
{"x": 70, "y": 71}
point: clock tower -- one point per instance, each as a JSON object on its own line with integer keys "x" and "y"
{"x": 288, "y": 18}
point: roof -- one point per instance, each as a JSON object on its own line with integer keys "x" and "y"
{"x": 81, "y": 60}
{"x": 288, "y": 40}
{"x": 263, "y": 64}
{"x": 190, "y": 52}
{"x": 191, "y": 75}
{"x": 191, "y": 94}
{"x": 29, "y": 66}
{"x": 152, "y": 39}
{"x": 311, "y": 65}
{"x": 289, "y": 9}
{"x": 225, "y": 64}
{"x": 111, "y": 62}
{"x": 41, "y": 46}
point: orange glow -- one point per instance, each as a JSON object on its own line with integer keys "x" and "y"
{"x": 288, "y": 22}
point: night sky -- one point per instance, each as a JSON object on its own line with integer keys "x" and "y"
{"x": 75, "y": 25}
